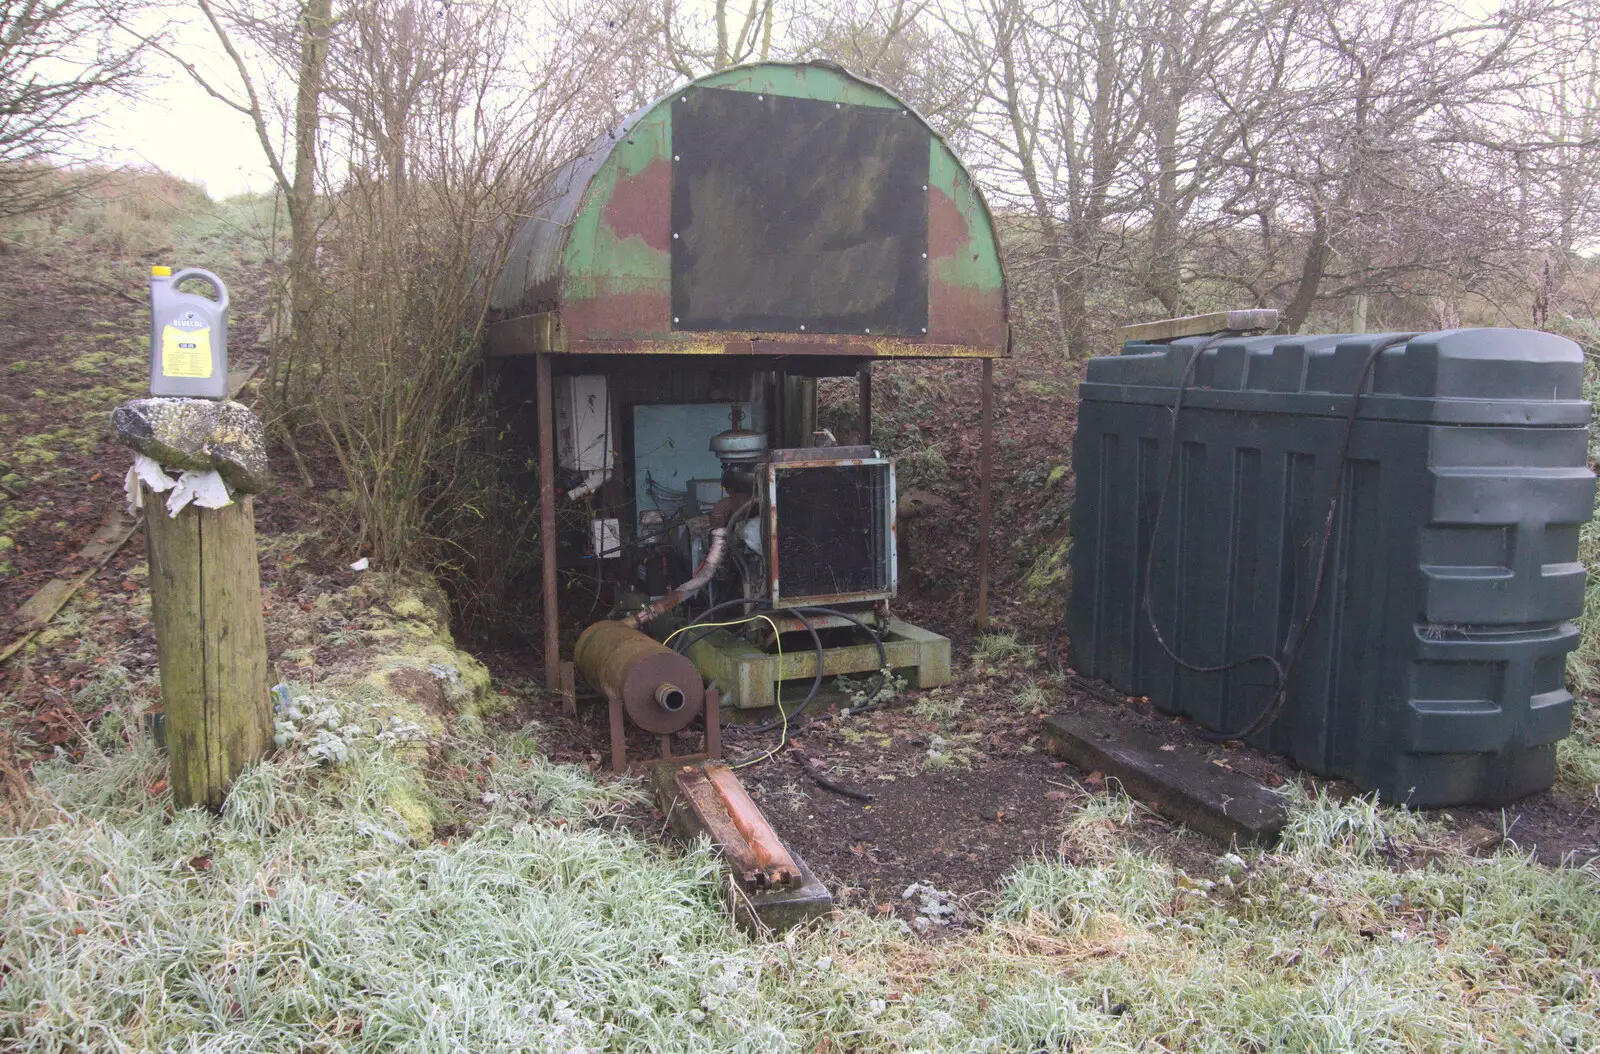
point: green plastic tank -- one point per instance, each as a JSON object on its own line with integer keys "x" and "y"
{"x": 1432, "y": 666}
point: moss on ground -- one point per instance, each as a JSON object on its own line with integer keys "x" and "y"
{"x": 401, "y": 677}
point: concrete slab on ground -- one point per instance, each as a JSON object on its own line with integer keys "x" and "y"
{"x": 1218, "y": 802}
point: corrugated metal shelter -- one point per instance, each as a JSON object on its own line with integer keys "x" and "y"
{"x": 754, "y": 230}
{"x": 773, "y": 209}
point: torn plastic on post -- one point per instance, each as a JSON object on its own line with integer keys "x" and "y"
{"x": 205, "y": 489}
{"x": 144, "y": 470}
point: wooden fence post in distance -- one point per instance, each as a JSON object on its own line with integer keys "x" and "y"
{"x": 205, "y": 587}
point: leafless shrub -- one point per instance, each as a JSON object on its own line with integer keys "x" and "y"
{"x": 57, "y": 58}
{"x": 447, "y": 132}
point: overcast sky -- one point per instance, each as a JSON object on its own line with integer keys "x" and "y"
{"x": 179, "y": 128}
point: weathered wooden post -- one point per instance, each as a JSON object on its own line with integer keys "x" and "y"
{"x": 205, "y": 584}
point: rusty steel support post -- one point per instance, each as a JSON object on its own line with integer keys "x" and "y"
{"x": 864, "y": 406}
{"x": 619, "y": 735}
{"x": 547, "y": 520}
{"x": 780, "y": 409}
{"x": 713, "y": 723}
{"x": 985, "y": 471}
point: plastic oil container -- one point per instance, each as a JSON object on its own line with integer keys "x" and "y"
{"x": 1432, "y": 667}
{"x": 188, "y": 336}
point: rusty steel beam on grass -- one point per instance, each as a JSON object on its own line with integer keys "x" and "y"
{"x": 547, "y": 524}
{"x": 711, "y": 816}
{"x": 776, "y": 868}
{"x": 985, "y": 471}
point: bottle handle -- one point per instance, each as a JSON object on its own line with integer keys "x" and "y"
{"x": 199, "y": 272}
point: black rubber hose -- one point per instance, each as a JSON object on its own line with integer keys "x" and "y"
{"x": 1282, "y": 664}
{"x": 796, "y": 718}
{"x": 883, "y": 654}
{"x": 816, "y": 641}
{"x": 793, "y": 718}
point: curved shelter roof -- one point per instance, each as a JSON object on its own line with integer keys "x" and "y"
{"x": 774, "y": 208}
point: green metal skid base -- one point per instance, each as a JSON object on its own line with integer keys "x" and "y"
{"x": 748, "y": 676}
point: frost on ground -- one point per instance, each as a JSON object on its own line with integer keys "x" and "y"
{"x": 305, "y": 917}
{"x": 396, "y": 878}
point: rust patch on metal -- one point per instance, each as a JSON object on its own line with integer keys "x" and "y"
{"x": 965, "y": 316}
{"x": 660, "y": 689}
{"x": 948, "y": 233}
{"x": 776, "y": 866}
{"x": 725, "y": 812}
{"x": 641, "y": 207}
{"x": 718, "y": 344}
{"x": 618, "y": 315}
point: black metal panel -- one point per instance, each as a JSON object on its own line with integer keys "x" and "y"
{"x": 798, "y": 215}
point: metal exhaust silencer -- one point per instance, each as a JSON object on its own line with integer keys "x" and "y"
{"x": 661, "y": 691}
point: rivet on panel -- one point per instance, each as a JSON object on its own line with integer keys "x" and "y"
{"x": 675, "y": 157}
{"x": 674, "y": 235}
{"x": 675, "y": 318}
{"x": 802, "y": 329}
{"x": 836, "y": 106}
{"x": 924, "y": 256}
{"x": 869, "y": 331}
{"x": 924, "y": 329}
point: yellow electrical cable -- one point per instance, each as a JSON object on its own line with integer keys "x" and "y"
{"x": 777, "y": 695}
{"x": 714, "y": 625}
{"x": 777, "y": 691}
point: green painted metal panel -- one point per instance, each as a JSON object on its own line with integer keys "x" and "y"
{"x": 616, "y": 261}
{"x": 979, "y": 266}
{"x": 802, "y": 82}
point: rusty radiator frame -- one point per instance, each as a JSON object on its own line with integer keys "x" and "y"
{"x": 777, "y": 467}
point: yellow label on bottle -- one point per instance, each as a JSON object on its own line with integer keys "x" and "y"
{"x": 186, "y": 352}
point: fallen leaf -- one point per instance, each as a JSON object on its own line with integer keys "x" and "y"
{"x": 884, "y": 909}
{"x": 1055, "y": 795}
{"x": 158, "y": 787}
{"x": 1095, "y": 778}
{"x": 1168, "y": 747}
{"x": 200, "y": 863}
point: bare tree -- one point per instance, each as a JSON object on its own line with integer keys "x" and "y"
{"x": 1063, "y": 118}
{"x": 897, "y": 43}
{"x": 443, "y": 130}
{"x": 1368, "y": 172}
{"x": 269, "y": 45}
{"x": 734, "y": 33}
{"x": 57, "y": 57}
